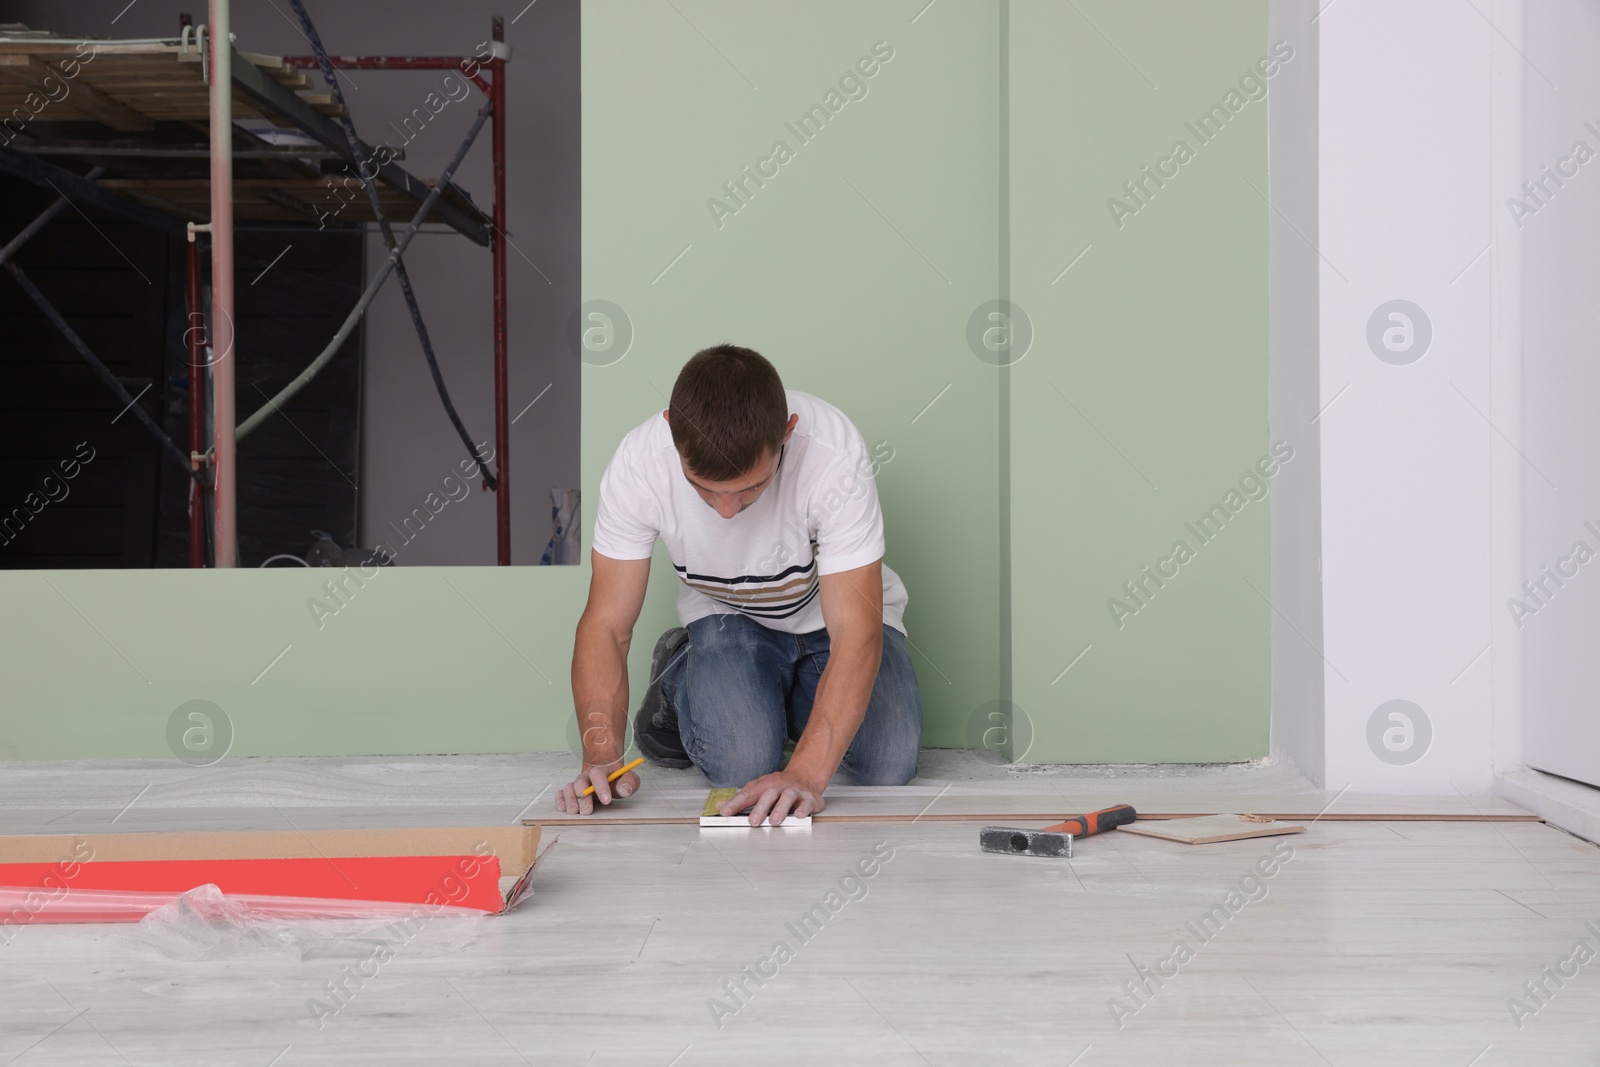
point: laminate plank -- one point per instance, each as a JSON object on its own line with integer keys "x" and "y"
{"x": 951, "y": 785}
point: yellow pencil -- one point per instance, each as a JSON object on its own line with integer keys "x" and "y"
{"x": 614, "y": 775}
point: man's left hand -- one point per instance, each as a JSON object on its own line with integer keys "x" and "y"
{"x": 774, "y": 797}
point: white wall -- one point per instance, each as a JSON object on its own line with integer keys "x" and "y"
{"x": 1510, "y": 472}
{"x": 1418, "y": 505}
{"x": 1562, "y": 381}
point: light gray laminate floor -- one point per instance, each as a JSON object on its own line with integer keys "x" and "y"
{"x": 1376, "y": 943}
{"x": 71, "y": 795}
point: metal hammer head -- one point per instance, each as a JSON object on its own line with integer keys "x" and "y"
{"x": 1018, "y": 842}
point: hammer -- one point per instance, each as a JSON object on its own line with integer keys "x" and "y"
{"x": 1055, "y": 840}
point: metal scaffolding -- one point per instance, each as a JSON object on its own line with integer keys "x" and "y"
{"x": 200, "y": 75}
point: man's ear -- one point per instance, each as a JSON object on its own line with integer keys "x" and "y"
{"x": 666, "y": 414}
{"x": 794, "y": 420}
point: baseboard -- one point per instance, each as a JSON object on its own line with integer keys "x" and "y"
{"x": 1561, "y": 802}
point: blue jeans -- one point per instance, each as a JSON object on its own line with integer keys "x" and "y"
{"x": 741, "y": 689}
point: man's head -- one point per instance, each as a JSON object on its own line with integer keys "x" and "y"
{"x": 729, "y": 418}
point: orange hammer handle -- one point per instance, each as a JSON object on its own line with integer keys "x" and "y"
{"x": 1096, "y": 821}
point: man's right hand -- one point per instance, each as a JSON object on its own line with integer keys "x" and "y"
{"x": 568, "y": 801}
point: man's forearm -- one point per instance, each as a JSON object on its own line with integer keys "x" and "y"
{"x": 600, "y": 692}
{"x": 843, "y": 692}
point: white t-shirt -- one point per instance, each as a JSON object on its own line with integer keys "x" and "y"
{"x": 819, "y": 515}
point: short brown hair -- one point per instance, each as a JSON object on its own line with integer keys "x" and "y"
{"x": 728, "y": 409}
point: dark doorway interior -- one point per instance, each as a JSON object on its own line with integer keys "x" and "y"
{"x": 82, "y": 482}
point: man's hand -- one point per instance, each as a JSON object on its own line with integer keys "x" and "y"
{"x": 594, "y": 774}
{"x": 773, "y": 797}
{"x": 600, "y": 679}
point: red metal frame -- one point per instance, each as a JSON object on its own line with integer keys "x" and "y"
{"x": 380, "y": 62}
{"x": 494, "y": 89}
{"x": 398, "y": 63}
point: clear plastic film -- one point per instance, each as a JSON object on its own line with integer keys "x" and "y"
{"x": 204, "y": 923}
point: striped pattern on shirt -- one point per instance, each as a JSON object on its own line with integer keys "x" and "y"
{"x": 768, "y": 596}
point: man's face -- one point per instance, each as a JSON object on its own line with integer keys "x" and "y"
{"x": 733, "y": 496}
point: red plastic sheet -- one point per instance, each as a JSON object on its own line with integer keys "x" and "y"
{"x": 119, "y": 891}
{"x": 22, "y": 906}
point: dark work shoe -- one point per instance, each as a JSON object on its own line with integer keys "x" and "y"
{"x": 655, "y": 724}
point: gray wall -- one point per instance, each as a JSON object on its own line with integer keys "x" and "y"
{"x": 408, "y": 443}
{"x": 1561, "y": 437}
{"x": 1293, "y": 394}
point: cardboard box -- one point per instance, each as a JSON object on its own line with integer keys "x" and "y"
{"x": 456, "y": 866}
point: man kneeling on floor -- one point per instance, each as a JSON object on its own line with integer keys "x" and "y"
{"x": 792, "y": 630}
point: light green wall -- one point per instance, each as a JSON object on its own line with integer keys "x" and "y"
{"x": 1158, "y": 336}
{"x": 855, "y": 269}
{"x": 422, "y": 659}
